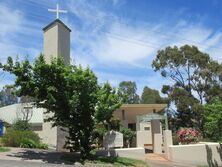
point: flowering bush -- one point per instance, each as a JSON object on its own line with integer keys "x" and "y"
{"x": 188, "y": 135}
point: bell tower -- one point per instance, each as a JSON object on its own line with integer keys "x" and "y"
{"x": 57, "y": 39}
{"x": 56, "y": 44}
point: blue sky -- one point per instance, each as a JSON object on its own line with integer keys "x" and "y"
{"x": 118, "y": 39}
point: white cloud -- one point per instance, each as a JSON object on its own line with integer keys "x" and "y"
{"x": 104, "y": 39}
{"x": 14, "y": 26}
{"x": 124, "y": 44}
{"x": 110, "y": 41}
{"x": 10, "y": 20}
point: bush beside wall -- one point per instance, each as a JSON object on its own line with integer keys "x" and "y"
{"x": 25, "y": 139}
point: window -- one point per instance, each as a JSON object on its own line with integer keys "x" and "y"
{"x": 132, "y": 126}
{"x": 123, "y": 114}
{"x": 146, "y": 128}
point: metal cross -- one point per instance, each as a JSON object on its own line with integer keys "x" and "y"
{"x": 57, "y": 10}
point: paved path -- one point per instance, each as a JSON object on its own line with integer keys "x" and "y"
{"x": 157, "y": 160}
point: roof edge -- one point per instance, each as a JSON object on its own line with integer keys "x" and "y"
{"x": 144, "y": 106}
{"x": 56, "y": 21}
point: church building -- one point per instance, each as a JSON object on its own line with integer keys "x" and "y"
{"x": 57, "y": 43}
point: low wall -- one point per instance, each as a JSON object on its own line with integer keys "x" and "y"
{"x": 134, "y": 153}
{"x": 143, "y": 137}
{"x": 199, "y": 154}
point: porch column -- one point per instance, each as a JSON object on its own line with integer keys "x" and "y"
{"x": 168, "y": 141}
{"x": 156, "y": 136}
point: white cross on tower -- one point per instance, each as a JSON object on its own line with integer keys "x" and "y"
{"x": 57, "y": 10}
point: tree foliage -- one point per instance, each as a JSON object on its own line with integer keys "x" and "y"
{"x": 8, "y": 96}
{"x": 108, "y": 102}
{"x": 213, "y": 119}
{"x": 151, "y": 96}
{"x": 127, "y": 92}
{"x": 68, "y": 92}
{"x": 196, "y": 79}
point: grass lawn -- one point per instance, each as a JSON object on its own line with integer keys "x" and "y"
{"x": 2, "y": 149}
{"x": 118, "y": 161}
{"x": 115, "y": 161}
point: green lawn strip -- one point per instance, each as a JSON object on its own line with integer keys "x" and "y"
{"x": 3, "y": 149}
{"x": 117, "y": 161}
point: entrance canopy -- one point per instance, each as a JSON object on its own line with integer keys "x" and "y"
{"x": 152, "y": 116}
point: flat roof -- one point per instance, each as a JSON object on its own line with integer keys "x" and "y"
{"x": 144, "y": 106}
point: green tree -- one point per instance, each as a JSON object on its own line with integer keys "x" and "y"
{"x": 68, "y": 92}
{"x": 8, "y": 96}
{"x": 151, "y": 96}
{"x": 213, "y": 120}
{"x": 108, "y": 102}
{"x": 127, "y": 92}
{"x": 196, "y": 79}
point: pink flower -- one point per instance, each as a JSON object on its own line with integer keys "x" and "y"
{"x": 188, "y": 135}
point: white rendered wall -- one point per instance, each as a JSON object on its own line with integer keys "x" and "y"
{"x": 143, "y": 125}
{"x": 49, "y": 133}
{"x": 199, "y": 154}
{"x": 64, "y": 43}
{"x": 143, "y": 137}
{"x": 57, "y": 43}
{"x": 134, "y": 153}
{"x": 12, "y": 112}
{"x": 51, "y": 43}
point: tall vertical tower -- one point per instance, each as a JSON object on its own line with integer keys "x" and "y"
{"x": 57, "y": 41}
{"x": 56, "y": 44}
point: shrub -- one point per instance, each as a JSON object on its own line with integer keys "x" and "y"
{"x": 188, "y": 135}
{"x": 14, "y": 138}
{"x": 28, "y": 143}
{"x": 42, "y": 146}
{"x": 21, "y": 125}
{"x": 128, "y": 135}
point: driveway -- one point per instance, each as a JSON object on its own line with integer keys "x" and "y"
{"x": 158, "y": 160}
